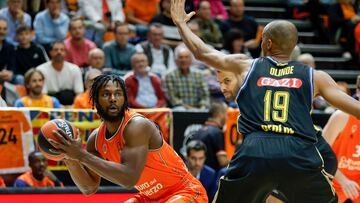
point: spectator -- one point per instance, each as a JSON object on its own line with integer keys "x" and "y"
{"x": 186, "y": 88}
{"x": 209, "y": 30}
{"x": 100, "y": 16}
{"x": 195, "y": 157}
{"x": 34, "y": 83}
{"x": 307, "y": 59}
{"x": 247, "y": 24}
{"x": 7, "y": 52}
{"x": 171, "y": 34}
{"x": 218, "y": 10}
{"x": 15, "y": 17}
{"x": 28, "y": 54}
{"x": 212, "y": 136}
{"x": 39, "y": 176}
{"x": 144, "y": 88}
{"x": 119, "y": 51}
{"x": 96, "y": 59}
{"x": 160, "y": 56}
{"x": 77, "y": 46}
{"x": 62, "y": 79}
{"x": 234, "y": 43}
{"x": 51, "y": 25}
{"x": 82, "y": 101}
{"x": 2, "y": 104}
{"x": 2, "y": 182}
{"x": 141, "y": 15}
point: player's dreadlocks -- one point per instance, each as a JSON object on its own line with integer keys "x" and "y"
{"x": 101, "y": 81}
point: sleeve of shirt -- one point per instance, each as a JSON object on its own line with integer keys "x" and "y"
{"x": 39, "y": 27}
{"x": 61, "y": 26}
{"x": 107, "y": 51}
{"x": 205, "y": 94}
{"x": 56, "y": 103}
{"x": 170, "y": 90}
{"x": 19, "y": 103}
{"x": 79, "y": 87}
{"x": 20, "y": 183}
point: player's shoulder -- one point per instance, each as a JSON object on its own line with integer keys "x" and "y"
{"x": 92, "y": 137}
{"x": 340, "y": 116}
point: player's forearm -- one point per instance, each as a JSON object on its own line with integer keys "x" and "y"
{"x": 117, "y": 173}
{"x": 193, "y": 42}
{"x": 82, "y": 178}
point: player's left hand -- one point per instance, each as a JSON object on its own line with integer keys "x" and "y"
{"x": 72, "y": 148}
{"x": 350, "y": 188}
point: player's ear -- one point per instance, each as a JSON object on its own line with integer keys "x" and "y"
{"x": 269, "y": 44}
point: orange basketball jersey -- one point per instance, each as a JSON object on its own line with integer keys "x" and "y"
{"x": 164, "y": 173}
{"x": 347, "y": 150}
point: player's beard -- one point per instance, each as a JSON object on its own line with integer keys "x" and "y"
{"x": 110, "y": 118}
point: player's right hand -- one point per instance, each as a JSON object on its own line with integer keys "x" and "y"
{"x": 178, "y": 13}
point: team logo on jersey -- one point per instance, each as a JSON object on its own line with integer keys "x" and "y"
{"x": 104, "y": 148}
{"x": 285, "y": 82}
{"x": 357, "y": 151}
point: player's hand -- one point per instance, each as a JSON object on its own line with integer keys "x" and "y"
{"x": 72, "y": 148}
{"x": 178, "y": 13}
{"x": 350, "y": 188}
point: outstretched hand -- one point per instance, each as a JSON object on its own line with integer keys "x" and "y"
{"x": 178, "y": 13}
{"x": 72, "y": 148}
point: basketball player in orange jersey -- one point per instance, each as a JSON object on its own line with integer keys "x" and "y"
{"x": 129, "y": 150}
{"x": 342, "y": 132}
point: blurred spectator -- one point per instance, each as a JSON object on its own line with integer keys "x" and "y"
{"x": 344, "y": 86}
{"x": 140, "y": 13}
{"x": 212, "y": 136}
{"x": 51, "y": 25}
{"x": 2, "y": 104}
{"x": 186, "y": 88}
{"x": 32, "y": 7}
{"x": 119, "y": 51}
{"x": 10, "y": 92}
{"x": 82, "y": 101}
{"x": 96, "y": 60}
{"x": 28, "y": 54}
{"x": 210, "y": 31}
{"x": 160, "y": 56}
{"x": 2, "y": 182}
{"x": 307, "y": 59}
{"x": 62, "y": 79}
{"x": 218, "y": 10}
{"x": 171, "y": 34}
{"x": 70, "y": 8}
{"x": 234, "y": 43}
{"x": 77, "y": 46}
{"x": 7, "y": 52}
{"x": 295, "y": 53}
{"x": 196, "y": 157}
{"x": 34, "y": 84}
{"x": 247, "y": 24}
{"x": 144, "y": 88}
{"x": 15, "y": 17}
{"x": 100, "y": 16}
{"x": 39, "y": 176}
{"x": 343, "y": 19}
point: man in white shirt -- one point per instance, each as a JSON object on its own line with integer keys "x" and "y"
{"x": 62, "y": 79}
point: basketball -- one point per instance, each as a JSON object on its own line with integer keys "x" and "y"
{"x": 46, "y": 132}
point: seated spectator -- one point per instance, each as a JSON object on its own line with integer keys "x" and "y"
{"x": 39, "y": 176}
{"x": 77, "y": 46}
{"x": 140, "y": 13}
{"x": 195, "y": 157}
{"x": 7, "y": 52}
{"x": 160, "y": 56}
{"x": 28, "y": 54}
{"x": 100, "y": 16}
{"x": 307, "y": 59}
{"x": 186, "y": 88}
{"x": 82, "y": 101}
{"x": 96, "y": 59}
{"x": 15, "y": 17}
{"x": 218, "y": 10}
{"x": 171, "y": 34}
{"x": 2, "y": 182}
{"x": 119, "y": 51}
{"x": 234, "y": 43}
{"x": 62, "y": 79}
{"x": 34, "y": 83}
{"x": 212, "y": 136}
{"x": 51, "y": 25}
{"x": 144, "y": 88}
{"x": 247, "y": 24}
{"x": 210, "y": 31}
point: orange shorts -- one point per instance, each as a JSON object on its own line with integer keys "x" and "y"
{"x": 192, "y": 193}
